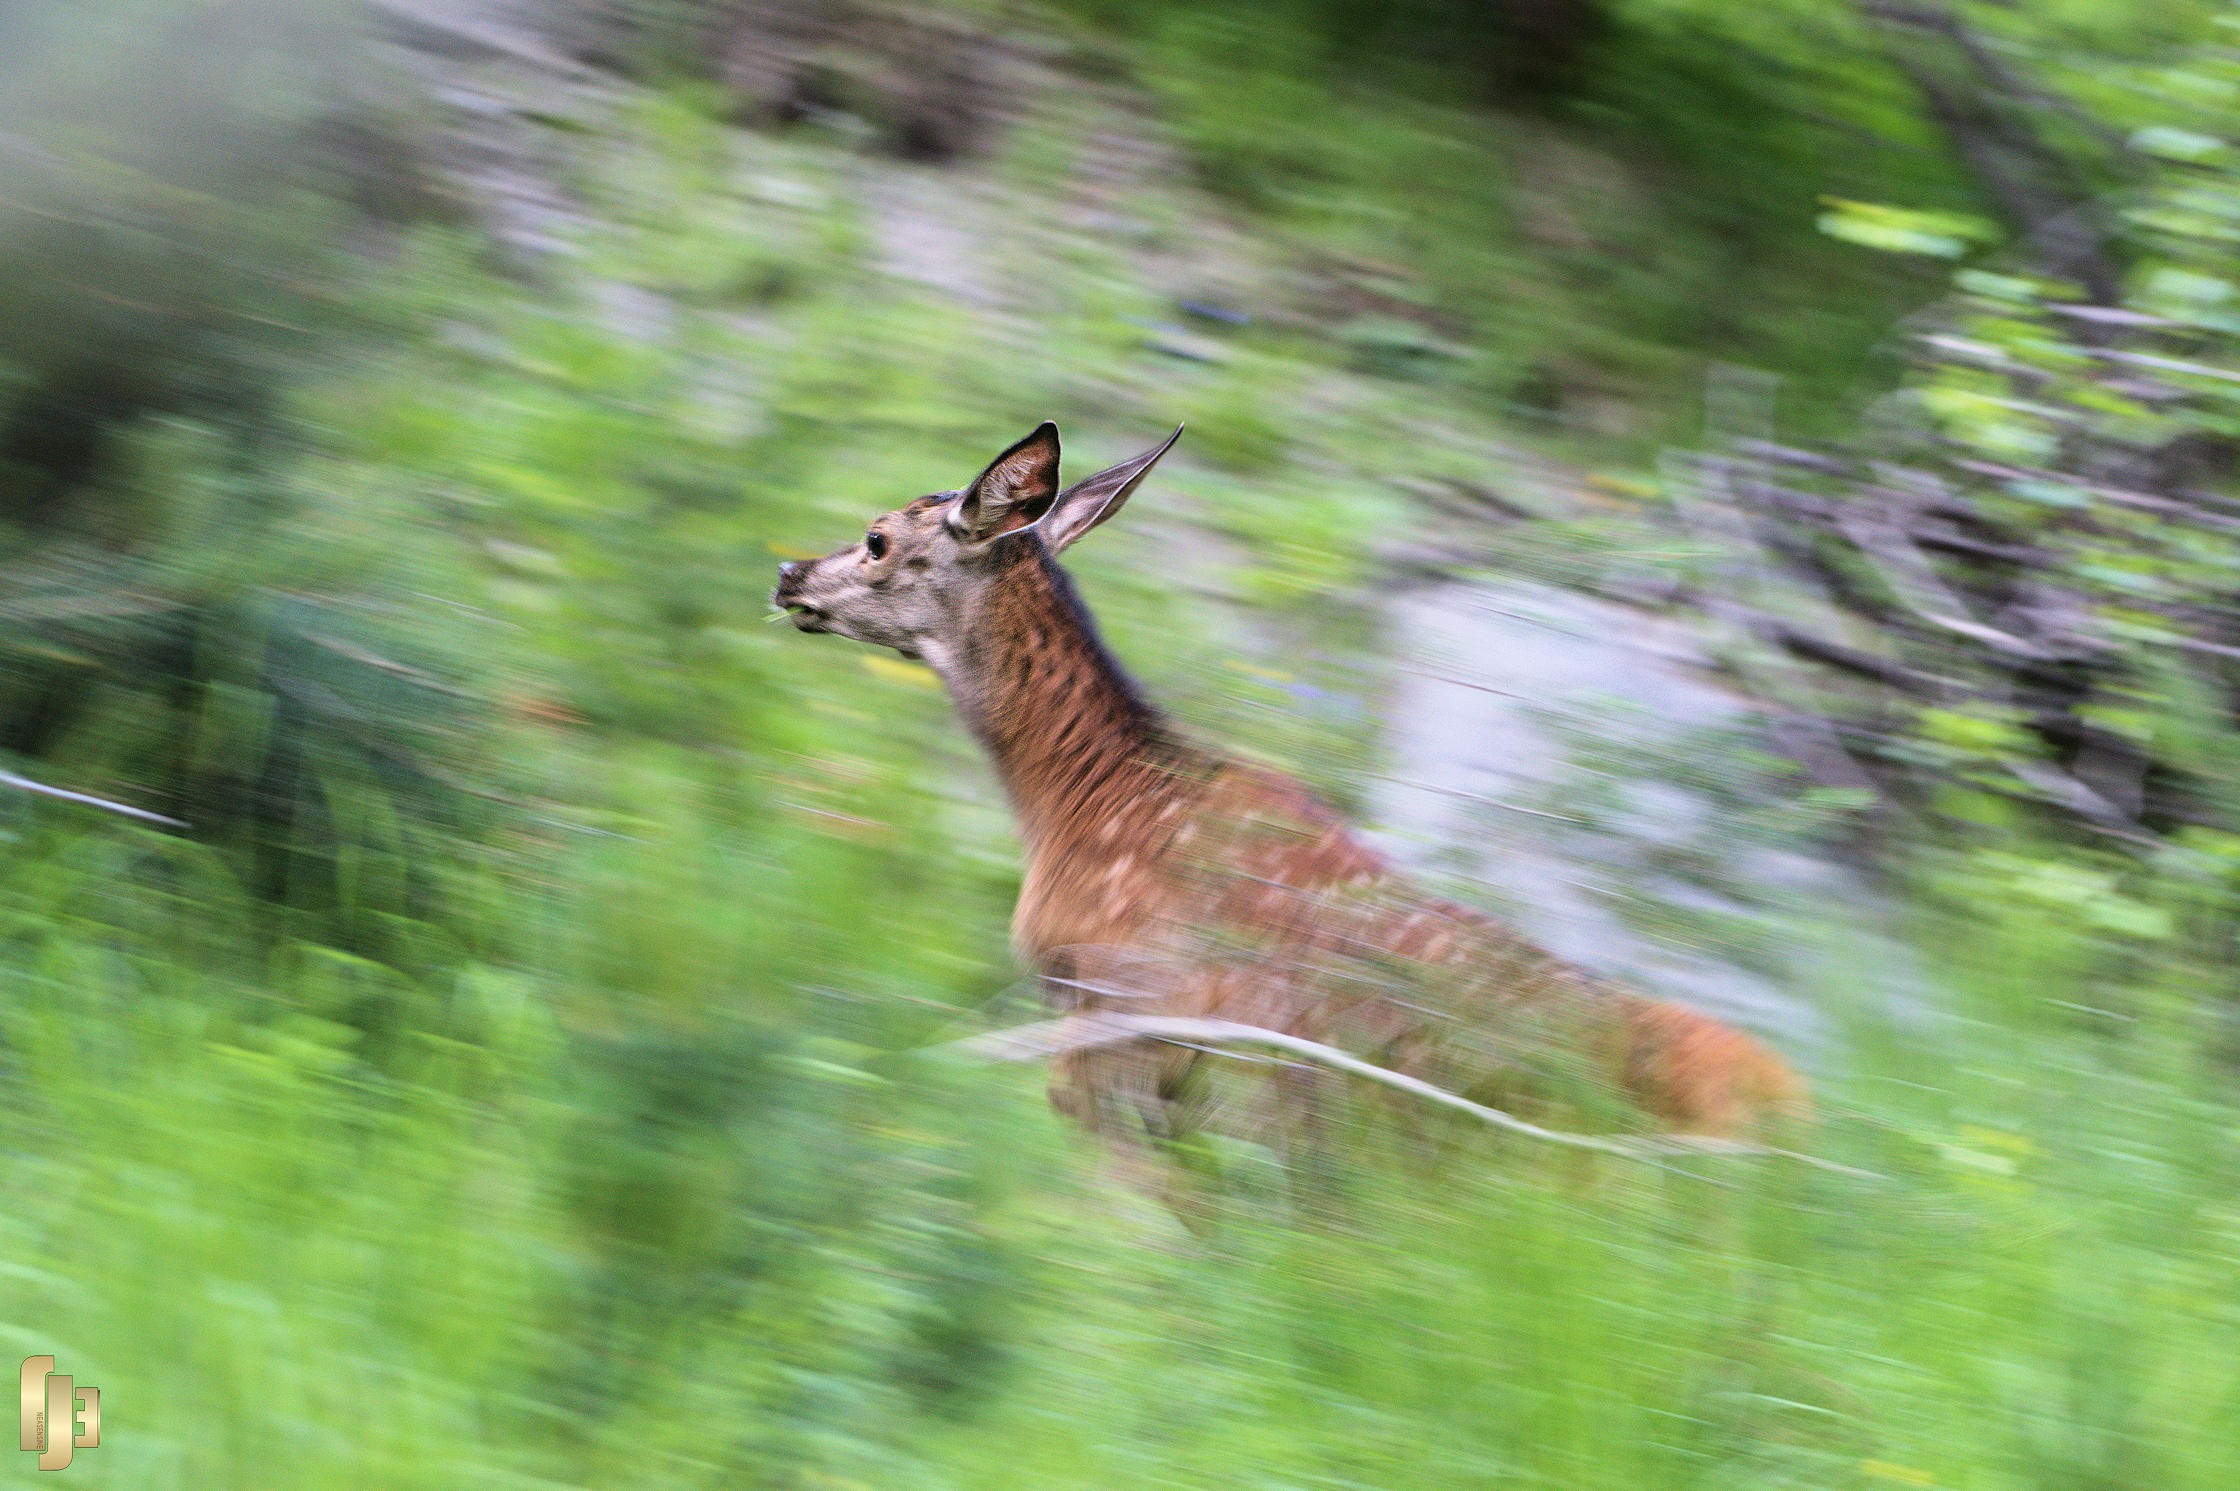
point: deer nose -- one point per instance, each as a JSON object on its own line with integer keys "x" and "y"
{"x": 789, "y": 580}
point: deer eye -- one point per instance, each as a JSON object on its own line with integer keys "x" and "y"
{"x": 875, "y": 544}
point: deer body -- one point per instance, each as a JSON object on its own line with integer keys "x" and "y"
{"x": 1164, "y": 878}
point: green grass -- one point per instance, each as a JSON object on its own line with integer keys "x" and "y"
{"x": 681, "y": 1236}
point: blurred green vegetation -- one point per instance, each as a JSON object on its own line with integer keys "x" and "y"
{"x": 1595, "y": 242}
{"x": 519, "y": 1072}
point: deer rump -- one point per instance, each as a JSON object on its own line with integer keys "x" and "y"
{"x": 1259, "y": 906}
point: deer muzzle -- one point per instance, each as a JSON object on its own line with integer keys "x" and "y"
{"x": 787, "y": 598}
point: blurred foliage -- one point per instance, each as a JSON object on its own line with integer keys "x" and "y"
{"x": 152, "y": 251}
{"x": 519, "y": 1070}
{"x": 2071, "y": 466}
{"x": 1611, "y": 213}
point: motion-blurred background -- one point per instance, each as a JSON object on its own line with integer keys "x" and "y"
{"x": 1746, "y": 489}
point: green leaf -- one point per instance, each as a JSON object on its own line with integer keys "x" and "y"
{"x": 2172, "y": 143}
{"x": 1996, "y": 286}
{"x": 1904, "y": 230}
{"x": 2048, "y": 493}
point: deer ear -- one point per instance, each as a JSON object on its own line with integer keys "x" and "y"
{"x": 1016, "y": 489}
{"x": 1093, "y": 499}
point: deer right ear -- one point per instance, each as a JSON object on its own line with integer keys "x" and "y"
{"x": 1016, "y": 489}
{"x": 1093, "y": 499}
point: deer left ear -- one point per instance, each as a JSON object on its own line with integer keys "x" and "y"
{"x": 1093, "y": 499}
{"x": 1016, "y": 489}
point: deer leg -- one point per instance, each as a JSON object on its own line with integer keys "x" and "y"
{"x": 1082, "y": 1082}
{"x": 1142, "y": 1111}
{"x": 1193, "y": 1185}
{"x": 1073, "y": 1090}
{"x": 1302, "y": 1105}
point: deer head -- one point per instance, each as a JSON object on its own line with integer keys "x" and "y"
{"x": 921, "y": 573}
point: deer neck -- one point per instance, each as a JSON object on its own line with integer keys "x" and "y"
{"x": 1070, "y": 736}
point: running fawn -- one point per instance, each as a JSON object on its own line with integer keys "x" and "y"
{"x": 1166, "y": 878}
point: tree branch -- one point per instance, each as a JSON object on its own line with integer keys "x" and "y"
{"x": 63, "y": 794}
